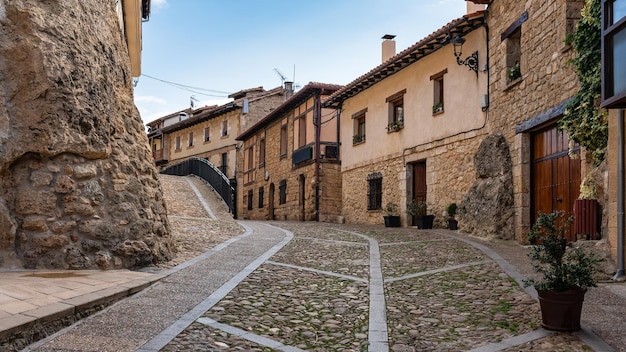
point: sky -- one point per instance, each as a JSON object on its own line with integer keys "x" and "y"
{"x": 207, "y": 49}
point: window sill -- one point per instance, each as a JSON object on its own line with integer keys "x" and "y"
{"x": 207, "y": 142}
{"x": 190, "y": 146}
{"x": 359, "y": 142}
{"x": 435, "y": 113}
{"x": 393, "y": 130}
{"x": 178, "y": 150}
{"x": 513, "y": 83}
{"x": 225, "y": 136}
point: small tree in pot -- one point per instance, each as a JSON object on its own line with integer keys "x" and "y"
{"x": 451, "y": 212}
{"x": 566, "y": 273}
{"x": 418, "y": 211}
{"x": 392, "y": 219}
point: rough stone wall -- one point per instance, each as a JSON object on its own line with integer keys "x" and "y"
{"x": 487, "y": 208}
{"x": 78, "y": 189}
{"x": 546, "y": 81}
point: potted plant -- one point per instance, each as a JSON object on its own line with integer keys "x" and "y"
{"x": 586, "y": 210}
{"x": 392, "y": 219}
{"x": 437, "y": 108}
{"x": 418, "y": 211}
{"x": 566, "y": 273}
{"x": 451, "y": 212}
{"x": 514, "y": 72}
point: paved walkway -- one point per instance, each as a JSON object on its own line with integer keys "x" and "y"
{"x": 288, "y": 286}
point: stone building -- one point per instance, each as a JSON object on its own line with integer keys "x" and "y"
{"x": 78, "y": 189}
{"x": 410, "y": 127}
{"x": 209, "y": 132}
{"x": 529, "y": 84}
{"x": 289, "y": 161}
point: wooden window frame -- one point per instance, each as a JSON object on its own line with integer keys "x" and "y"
{"x": 207, "y": 134}
{"x": 438, "y": 91}
{"x": 359, "y": 126}
{"x": 284, "y": 136}
{"x": 395, "y": 102}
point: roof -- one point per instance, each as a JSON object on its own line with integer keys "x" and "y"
{"x": 210, "y": 112}
{"x": 302, "y": 95}
{"x": 424, "y": 47}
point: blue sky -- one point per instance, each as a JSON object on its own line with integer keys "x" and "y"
{"x": 224, "y": 46}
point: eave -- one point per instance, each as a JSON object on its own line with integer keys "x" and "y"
{"x": 423, "y": 48}
{"x": 301, "y": 96}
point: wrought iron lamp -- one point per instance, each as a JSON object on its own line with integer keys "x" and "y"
{"x": 470, "y": 61}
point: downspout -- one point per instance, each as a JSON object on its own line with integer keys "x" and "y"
{"x": 619, "y": 275}
{"x": 317, "y": 117}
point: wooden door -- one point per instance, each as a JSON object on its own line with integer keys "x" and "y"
{"x": 419, "y": 183}
{"x": 555, "y": 178}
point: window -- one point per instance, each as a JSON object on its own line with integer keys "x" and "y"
{"x": 190, "y": 144}
{"x": 250, "y": 199}
{"x": 283, "y": 140}
{"x": 302, "y": 131}
{"x": 438, "y": 91}
{"x": 359, "y": 127}
{"x": 261, "y": 194}
{"x": 614, "y": 54}
{"x": 224, "y": 166}
{"x": 207, "y": 134}
{"x": 178, "y": 143}
{"x": 513, "y": 38}
{"x": 282, "y": 192}
{"x": 262, "y": 152}
{"x": 224, "y": 131}
{"x": 396, "y": 111}
{"x": 374, "y": 191}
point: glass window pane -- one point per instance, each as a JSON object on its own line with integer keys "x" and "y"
{"x": 619, "y": 10}
{"x": 619, "y": 58}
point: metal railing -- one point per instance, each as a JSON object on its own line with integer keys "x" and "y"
{"x": 212, "y": 175}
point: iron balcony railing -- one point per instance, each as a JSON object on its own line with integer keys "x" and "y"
{"x": 212, "y": 175}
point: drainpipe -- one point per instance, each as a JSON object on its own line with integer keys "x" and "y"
{"x": 317, "y": 113}
{"x": 620, "y": 196}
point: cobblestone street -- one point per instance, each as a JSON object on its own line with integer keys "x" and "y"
{"x": 320, "y": 287}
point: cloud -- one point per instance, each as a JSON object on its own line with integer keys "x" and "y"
{"x": 150, "y": 99}
{"x": 159, "y": 4}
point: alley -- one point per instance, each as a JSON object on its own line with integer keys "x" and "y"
{"x": 287, "y": 286}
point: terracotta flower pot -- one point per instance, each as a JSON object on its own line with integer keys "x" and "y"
{"x": 560, "y": 310}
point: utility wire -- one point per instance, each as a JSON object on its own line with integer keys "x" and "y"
{"x": 188, "y": 88}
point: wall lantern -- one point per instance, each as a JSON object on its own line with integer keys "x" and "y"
{"x": 470, "y": 61}
{"x": 614, "y": 54}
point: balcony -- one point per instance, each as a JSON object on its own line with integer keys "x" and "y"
{"x": 158, "y": 157}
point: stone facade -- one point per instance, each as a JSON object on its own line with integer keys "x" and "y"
{"x": 209, "y": 132}
{"x": 533, "y": 100}
{"x": 442, "y": 132}
{"x": 288, "y": 170}
{"x": 78, "y": 189}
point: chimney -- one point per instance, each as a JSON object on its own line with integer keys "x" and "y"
{"x": 472, "y": 7}
{"x": 288, "y": 89}
{"x": 389, "y": 47}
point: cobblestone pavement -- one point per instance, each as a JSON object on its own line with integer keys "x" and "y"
{"x": 329, "y": 287}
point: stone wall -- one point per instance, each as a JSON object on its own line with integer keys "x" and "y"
{"x": 546, "y": 81}
{"x": 450, "y": 173}
{"x": 78, "y": 189}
